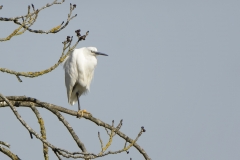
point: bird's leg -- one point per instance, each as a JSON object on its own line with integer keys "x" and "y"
{"x": 78, "y": 101}
{"x": 80, "y": 112}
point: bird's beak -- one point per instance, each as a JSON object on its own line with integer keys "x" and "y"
{"x": 99, "y": 53}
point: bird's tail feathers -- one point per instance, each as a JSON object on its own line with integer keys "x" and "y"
{"x": 72, "y": 99}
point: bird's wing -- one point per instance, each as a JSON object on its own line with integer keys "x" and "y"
{"x": 70, "y": 74}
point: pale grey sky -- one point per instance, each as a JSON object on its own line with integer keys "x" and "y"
{"x": 173, "y": 67}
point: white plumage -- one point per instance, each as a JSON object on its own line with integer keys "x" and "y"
{"x": 79, "y": 69}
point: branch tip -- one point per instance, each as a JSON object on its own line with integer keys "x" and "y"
{"x": 33, "y": 7}
{"x": 18, "y": 158}
{"x": 31, "y": 135}
{"x": 19, "y": 79}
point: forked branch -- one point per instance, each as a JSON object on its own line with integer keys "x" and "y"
{"x": 27, "y": 21}
{"x": 30, "y": 18}
{"x": 67, "y": 49}
{"x": 28, "y": 102}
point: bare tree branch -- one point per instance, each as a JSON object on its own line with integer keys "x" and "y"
{"x": 27, "y": 102}
{"x": 30, "y": 18}
{"x": 28, "y": 127}
{"x": 61, "y": 59}
{"x": 54, "y": 29}
{"x": 19, "y": 17}
{"x": 26, "y": 22}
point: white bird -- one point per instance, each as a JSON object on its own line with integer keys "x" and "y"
{"x": 79, "y": 69}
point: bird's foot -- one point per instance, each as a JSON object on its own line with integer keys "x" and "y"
{"x": 80, "y": 113}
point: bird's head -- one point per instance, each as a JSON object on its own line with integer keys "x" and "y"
{"x": 94, "y": 52}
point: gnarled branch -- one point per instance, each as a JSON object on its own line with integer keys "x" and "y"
{"x": 27, "y": 102}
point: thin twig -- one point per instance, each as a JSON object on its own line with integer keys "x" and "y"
{"x": 100, "y": 141}
{"x": 107, "y": 131}
{"x": 56, "y": 153}
{"x": 5, "y": 144}
{"x": 8, "y": 153}
{"x": 43, "y": 130}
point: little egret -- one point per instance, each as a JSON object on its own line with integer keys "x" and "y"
{"x": 79, "y": 69}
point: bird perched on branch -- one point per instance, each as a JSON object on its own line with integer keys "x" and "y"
{"x": 79, "y": 69}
